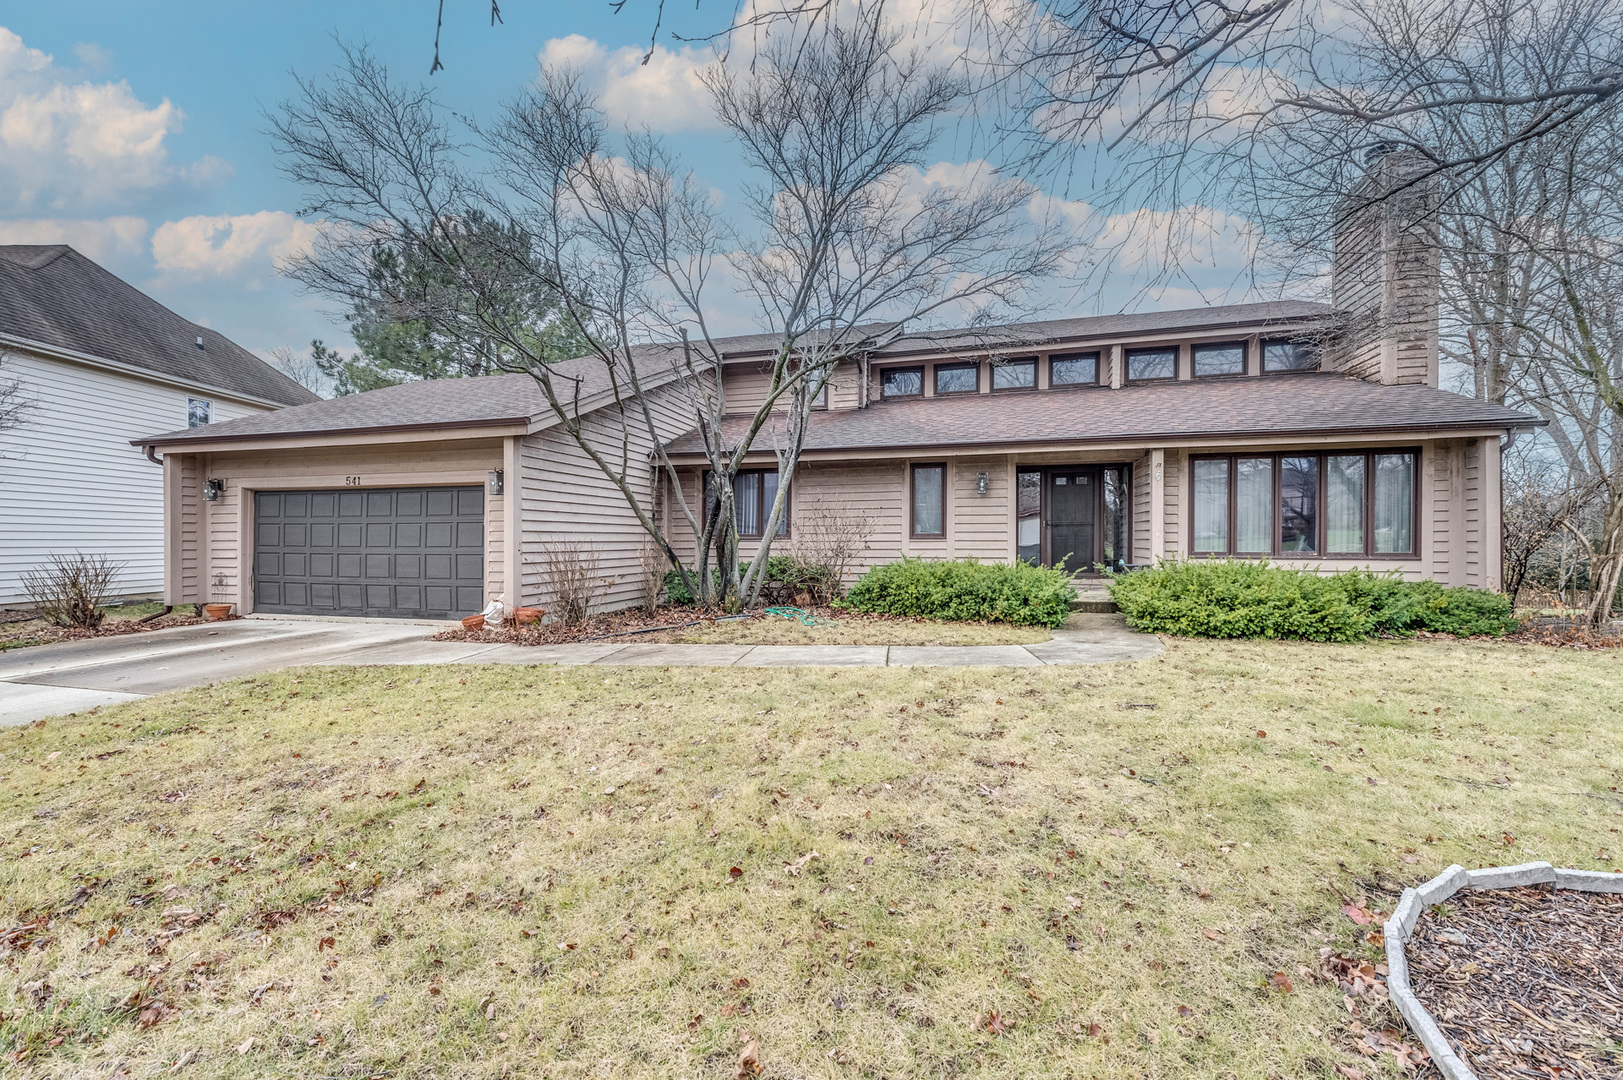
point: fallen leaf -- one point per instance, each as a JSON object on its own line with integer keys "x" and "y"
{"x": 326, "y": 943}
{"x": 794, "y": 868}
{"x": 1095, "y": 1030}
{"x": 1358, "y": 914}
{"x": 735, "y": 873}
{"x": 1261, "y": 734}
{"x": 1282, "y": 981}
{"x": 247, "y": 1045}
{"x": 1185, "y": 1011}
{"x": 749, "y": 1061}
{"x": 995, "y": 1024}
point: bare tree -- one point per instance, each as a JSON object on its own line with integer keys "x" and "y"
{"x": 301, "y": 368}
{"x": 14, "y": 400}
{"x": 835, "y": 128}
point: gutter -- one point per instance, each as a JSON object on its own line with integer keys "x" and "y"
{"x": 175, "y": 442}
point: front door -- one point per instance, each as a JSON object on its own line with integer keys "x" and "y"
{"x": 1073, "y": 507}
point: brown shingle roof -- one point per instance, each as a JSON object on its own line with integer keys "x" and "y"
{"x": 53, "y": 295}
{"x": 1307, "y": 404}
{"x": 502, "y": 399}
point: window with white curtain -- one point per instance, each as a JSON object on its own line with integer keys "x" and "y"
{"x": 929, "y": 500}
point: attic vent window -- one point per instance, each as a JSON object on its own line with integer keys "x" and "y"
{"x": 199, "y": 343}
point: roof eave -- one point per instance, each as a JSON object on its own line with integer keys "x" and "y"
{"x": 177, "y": 442}
{"x": 58, "y": 352}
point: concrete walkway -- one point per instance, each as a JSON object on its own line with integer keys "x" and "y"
{"x": 49, "y": 680}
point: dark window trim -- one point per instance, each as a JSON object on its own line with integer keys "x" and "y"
{"x": 763, "y": 508}
{"x": 1013, "y": 361}
{"x": 913, "y": 502}
{"x": 1321, "y": 518}
{"x": 896, "y": 370}
{"x": 956, "y": 365}
{"x": 1098, "y": 369}
{"x": 1127, "y": 363}
{"x": 1195, "y": 347}
{"x": 1262, "y": 357}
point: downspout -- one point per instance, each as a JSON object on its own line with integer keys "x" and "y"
{"x": 152, "y": 457}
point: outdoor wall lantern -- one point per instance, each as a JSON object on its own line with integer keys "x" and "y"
{"x": 212, "y": 489}
{"x": 495, "y": 485}
{"x": 980, "y": 483}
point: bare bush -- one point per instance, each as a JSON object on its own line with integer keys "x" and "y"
{"x": 652, "y": 565}
{"x": 572, "y": 572}
{"x": 70, "y": 590}
{"x": 830, "y": 533}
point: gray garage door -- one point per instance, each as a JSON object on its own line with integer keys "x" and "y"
{"x": 386, "y": 552}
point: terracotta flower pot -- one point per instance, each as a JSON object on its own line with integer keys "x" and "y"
{"x": 526, "y": 616}
{"x": 474, "y": 622}
{"x": 216, "y": 612}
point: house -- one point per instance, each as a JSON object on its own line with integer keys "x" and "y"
{"x": 100, "y": 363}
{"x": 1314, "y": 435}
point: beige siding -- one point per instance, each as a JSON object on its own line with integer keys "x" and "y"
{"x": 982, "y": 525}
{"x": 191, "y": 531}
{"x": 568, "y": 499}
{"x": 1475, "y": 569}
{"x": 1174, "y": 471}
{"x": 1142, "y": 472}
{"x": 747, "y": 386}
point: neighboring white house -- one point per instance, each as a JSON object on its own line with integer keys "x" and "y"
{"x": 101, "y": 363}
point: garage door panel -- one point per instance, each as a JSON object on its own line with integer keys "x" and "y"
{"x": 393, "y": 552}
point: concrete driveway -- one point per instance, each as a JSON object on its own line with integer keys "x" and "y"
{"x": 49, "y": 680}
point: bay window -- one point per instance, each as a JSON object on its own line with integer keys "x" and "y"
{"x": 1340, "y": 504}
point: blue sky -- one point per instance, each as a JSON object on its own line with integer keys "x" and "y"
{"x": 136, "y": 132}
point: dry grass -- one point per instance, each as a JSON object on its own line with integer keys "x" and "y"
{"x": 848, "y": 629}
{"x": 486, "y": 872}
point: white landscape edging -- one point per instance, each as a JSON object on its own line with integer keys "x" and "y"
{"x": 1400, "y": 927}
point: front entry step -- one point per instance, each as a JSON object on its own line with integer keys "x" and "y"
{"x": 1092, "y": 596}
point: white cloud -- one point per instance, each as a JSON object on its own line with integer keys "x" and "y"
{"x": 66, "y": 143}
{"x": 227, "y": 244}
{"x": 665, "y": 94}
{"x": 104, "y": 240}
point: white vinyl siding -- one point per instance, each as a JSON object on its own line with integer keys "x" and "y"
{"x": 71, "y": 482}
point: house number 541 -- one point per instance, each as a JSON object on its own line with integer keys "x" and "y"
{"x": 352, "y": 481}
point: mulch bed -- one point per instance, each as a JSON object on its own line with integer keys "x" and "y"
{"x": 632, "y": 623}
{"x": 1526, "y": 982}
{"x": 1567, "y": 634}
{"x": 50, "y": 635}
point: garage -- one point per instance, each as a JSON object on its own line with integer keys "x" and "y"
{"x": 409, "y": 552}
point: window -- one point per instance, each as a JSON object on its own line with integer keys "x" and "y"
{"x": 1227, "y": 358}
{"x": 1340, "y": 504}
{"x": 197, "y": 412}
{"x": 1289, "y": 356}
{"x": 820, "y": 399}
{"x": 1212, "y": 504}
{"x": 753, "y": 495}
{"x": 1015, "y": 374}
{"x": 1143, "y": 364}
{"x": 1028, "y": 527}
{"x": 901, "y": 382}
{"x": 957, "y": 378}
{"x": 1074, "y": 369}
{"x": 929, "y": 500}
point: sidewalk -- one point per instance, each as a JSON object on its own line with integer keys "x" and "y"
{"x": 49, "y": 680}
{"x": 1085, "y": 638}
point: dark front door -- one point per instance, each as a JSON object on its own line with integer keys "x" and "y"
{"x": 383, "y": 552}
{"x": 1073, "y": 512}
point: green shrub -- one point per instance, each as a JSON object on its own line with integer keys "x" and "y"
{"x": 1227, "y": 599}
{"x": 965, "y": 591}
{"x": 678, "y": 594}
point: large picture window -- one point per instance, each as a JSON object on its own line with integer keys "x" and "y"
{"x": 1341, "y": 504}
{"x": 754, "y": 492}
{"x": 929, "y": 500}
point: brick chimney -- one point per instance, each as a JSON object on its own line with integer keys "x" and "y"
{"x": 1384, "y": 276}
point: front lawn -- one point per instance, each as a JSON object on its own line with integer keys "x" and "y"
{"x": 1111, "y": 871}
